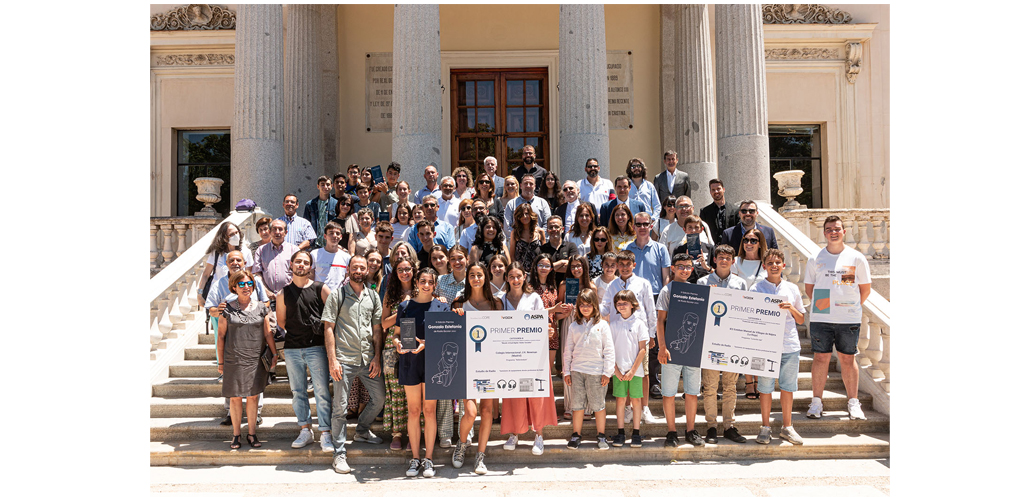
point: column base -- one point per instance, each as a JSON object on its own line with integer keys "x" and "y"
{"x": 257, "y": 171}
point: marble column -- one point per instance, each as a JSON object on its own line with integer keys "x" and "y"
{"x": 330, "y": 107}
{"x": 582, "y": 90}
{"x": 416, "y": 112}
{"x": 257, "y": 130}
{"x": 741, "y": 93}
{"x": 303, "y": 138}
{"x": 696, "y": 139}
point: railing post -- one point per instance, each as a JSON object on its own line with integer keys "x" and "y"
{"x": 180, "y": 229}
{"x": 883, "y": 363}
{"x": 888, "y": 237}
{"x": 850, "y": 224}
{"x": 153, "y": 252}
{"x": 878, "y": 243}
{"x": 874, "y": 350}
{"x": 167, "y": 252}
{"x": 819, "y": 230}
{"x": 863, "y": 243}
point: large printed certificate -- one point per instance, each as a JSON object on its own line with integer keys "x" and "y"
{"x": 487, "y": 355}
{"x": 725, "y": 329}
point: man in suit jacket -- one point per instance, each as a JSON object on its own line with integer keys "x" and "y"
{"x": 491, "y": 168}
{"x": 748, "y": 217}
{"x": 621, "y": 196}
{"x": 680, "y": 181}
{"x": 323, "y": 202}
{"x": 719, "y": 215}
{"x": 567, "y": 210}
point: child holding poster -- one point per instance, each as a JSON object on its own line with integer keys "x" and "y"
{"x": 682, "y": 268}
{"x": 629, "y": 334}
{"x": 588, "y": 357}
{"x": 792, "y": 302}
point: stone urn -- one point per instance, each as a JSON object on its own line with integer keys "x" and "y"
{"x": 789, "y": 188}
{"x": 209, "y": 194}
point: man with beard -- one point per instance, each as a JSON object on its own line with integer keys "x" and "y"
{"x": 719, "y": 215}
{"x": 595, "y": 189}
{"x": 529, "y": 166}
{"x": 479, "y": 210}
{"x": 640, "y": 189}
{"x": 748, "y": 220}
{"x": 353, "y": 338}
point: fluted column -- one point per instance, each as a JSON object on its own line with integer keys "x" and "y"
{"x": 329, "y": 87}
{"x": 416, "y": 104}
{"x": 696, "y": 139}
{"x": 303, "y": 138}
{"x": 742, "y": 113}
{"x": 582, "y": 90}
{"x": 257, "y": 130}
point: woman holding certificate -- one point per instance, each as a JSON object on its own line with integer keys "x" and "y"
{"x": 411, "y": 367}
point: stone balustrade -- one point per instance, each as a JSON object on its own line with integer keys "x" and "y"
{"x": 867, "y": 230}
{"x": 798, "y": 246}
{"x": 169, "y": 237}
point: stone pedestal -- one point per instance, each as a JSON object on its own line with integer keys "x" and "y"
{"x": 257, "y": 130}
{"x": 416, "y": 104}
{"x": 741, "y": 96}
{"x": 303, "y": 138}
{"x": 582, "y": 90}
{"x": 696, "y": 139}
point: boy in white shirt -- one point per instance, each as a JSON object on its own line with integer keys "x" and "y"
{"x": 629, "y": 333}
{"x": 331, "y": 262}
{"x": 682, "y": 266}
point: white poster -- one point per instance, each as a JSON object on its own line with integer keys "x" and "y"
{"x": 743, "y": 332}
{"x": 507, "y": 354}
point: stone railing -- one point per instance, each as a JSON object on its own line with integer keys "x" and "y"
{"x": 169, "y": 237}
{"x": 798, "y": 247}
{"x": 867, "y": 230}
{"x": 173, "y": 292}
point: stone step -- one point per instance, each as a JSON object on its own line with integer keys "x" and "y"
{"x": 285, "y": 428}
{"x": 500, "y": 461}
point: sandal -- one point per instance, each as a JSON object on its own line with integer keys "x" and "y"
{"x": 253, "y": 441}
{"x": 752, "y": 394}
{"x": 567, "y": 416}
{"x": 235, "y": 442}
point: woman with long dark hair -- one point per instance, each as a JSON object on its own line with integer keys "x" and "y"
{"x": 399, "y": 289}
{"x": 489, "y": 241}
{"x": 550, "y": 190}
{"x": 527, "y": 238}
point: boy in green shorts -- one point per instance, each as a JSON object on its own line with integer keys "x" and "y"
{"x": 629, "y": 335}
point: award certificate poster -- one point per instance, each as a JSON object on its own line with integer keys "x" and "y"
{"x": 445, "y": 355}
{"x": 684, "y": 325}
{"x": 507, "y": 354}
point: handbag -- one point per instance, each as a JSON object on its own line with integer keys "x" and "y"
{"x": 268, "y": 358}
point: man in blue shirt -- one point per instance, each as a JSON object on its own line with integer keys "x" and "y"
{"x": 300, "y": 231}
{"x": 444, "y": 233}
{"x": 432, "y": 188}
{"x": 640, "y": 188}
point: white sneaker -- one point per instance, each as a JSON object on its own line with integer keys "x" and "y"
{"x": 326, "y": 443}
{"x": 814, "y": 412}
{"x": 341, "y": 464}
{"x": 764, "y": 436}
{"x": 538, "y": 446}
{"x": 305, "y": 438}
{"x": 790, "y": 435}
{"x": 469, "y": 438}
{"x": 510, "y": 444}
{"x": 428, "y": 468}
{"x": 480, "y": 468}
{"x": 414, "y": 467}
{"x": 446, "y": 443}
{"x": 647, "y": 417}
{"x": 628, "y": 417}
{"x": 853, "y": 405}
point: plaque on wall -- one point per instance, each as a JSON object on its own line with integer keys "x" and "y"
{"x": 620, "y": 89}
{"x": 378, "y": 91}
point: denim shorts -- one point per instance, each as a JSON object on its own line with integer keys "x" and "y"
{"x": 787, "y": 375}
{"x": 826, "y": 334}
{"x": 670, "y": 374}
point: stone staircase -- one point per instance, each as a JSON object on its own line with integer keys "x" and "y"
{"x": 186, "y": 409}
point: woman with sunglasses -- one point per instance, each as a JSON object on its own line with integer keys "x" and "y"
{"x": 485, "y": 193}
{"x": 465, "y": 218}
{"x": 600, "y": 243}
{"x": 242, "y": 335}
{"x": 748, "y": 266}
{"x": 399, "y": 289}
{"x": 665, "y": 219}
{"x": 462, "y": 177}
{"x": 583, "y": 227}
{"x": 342, "y": 214}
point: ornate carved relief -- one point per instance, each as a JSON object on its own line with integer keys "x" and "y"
{"x": 854, "y": 52}
{"x": 802, "y": 53}
{"x": 196, "y": 16}
{"x": 799, "y": 13}
{"x": 195, "y": 60}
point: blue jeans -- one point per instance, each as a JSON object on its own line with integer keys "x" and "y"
{"x": 788, "y": 371}
{"x": 341, "y": 389}
{"x": 296, "y": 361}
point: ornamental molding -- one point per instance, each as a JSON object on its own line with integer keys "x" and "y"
{"x": 193, "y": 17}
{"x": 801, "y": 53}
{"x": 799, "y": 13}
{"x": 854, "y": 53}
{"x": 195, "y": 60}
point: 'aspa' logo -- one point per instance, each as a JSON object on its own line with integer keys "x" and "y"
{"x": 534, "y": 316}
{"x": 526, "y": 316}
{"x": 769, "y": 299}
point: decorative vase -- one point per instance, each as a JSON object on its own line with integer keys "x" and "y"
{"x": 209, "y": 194}
{"x": 789, "y": 188}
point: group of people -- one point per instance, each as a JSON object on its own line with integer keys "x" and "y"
{"x": 331, "y": 287}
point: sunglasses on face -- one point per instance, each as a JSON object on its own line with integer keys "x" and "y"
{"x": 751, "y": 241}
{"x": 600, "y": 240}
{"x": 246, "y": 284}
{"x": 748, "y": 211}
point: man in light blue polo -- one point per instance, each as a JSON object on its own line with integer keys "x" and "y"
{"x": 527, "y": 187}
{"x": 300, "y": 231}
{"x": 444, "y": 233}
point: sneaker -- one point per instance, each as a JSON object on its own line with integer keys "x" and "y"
{"x": 511, "y": 443}
{"x": 712, "y": 437}
{"x": 469, "y": 438}
{"x": 655, "y": 392}
{"x": 538, "y": 446}
{"x": 309, "y": 385}
{"x": 326, "y": 443}
{"x": 619, "y": 440}
{"x": 672, "y": 439}
{"x": 733, "y": 434}
{"x": 259, "y": 420}
{"x": 636, "y": 441}
{"x": 341, "y": 464}
{"x": 480, "y": 468}
{"x": 853, "y": 405}
{"x": 628, "y": 417}
{"x": 428, "y": 468}
{"x": 646, "y": 417}
{"x": 445, "y": 443}
{"x": 602, "y": 442}
{"x": 368, "y": 437}
{"x": 414, "y": 467}
{"x": 305, "y": 438}
{"x": 814, "y": 412}
{"x": 790, "y": 435}
{"x": 694, "y": 438}
{"x": 574, "y": 441}
{"x": 226, "y": 421}
{"x": 459, "y": 456}
{"x": 764, "y": 436}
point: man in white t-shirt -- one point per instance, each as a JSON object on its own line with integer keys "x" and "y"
{"x": 448, "y": 203}
{"x": 331, "y": 261}
{"x": 838, "y": 281}
{"x": 595, "y": 189}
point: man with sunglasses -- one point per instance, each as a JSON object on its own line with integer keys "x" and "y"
{"x": 748, "y": 220}
{"x": 444, "y": 233}
{"x": 567, "y": 210}
{"x": 595, "y": 189}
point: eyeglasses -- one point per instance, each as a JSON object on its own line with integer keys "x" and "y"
{"x": 751, "y": 241}
{"x": 747, "y": 211}
{"x": 404, "y": 271}
{"x": 461, "y": 176}
{"x": 568, "y": 189}
{"x": 467, "y": 208}
{"x": 246, "y": 284}
{"x": 346, "y": 204}
{"x": 684, "y": 206}
{"x": 831, "y": 230}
